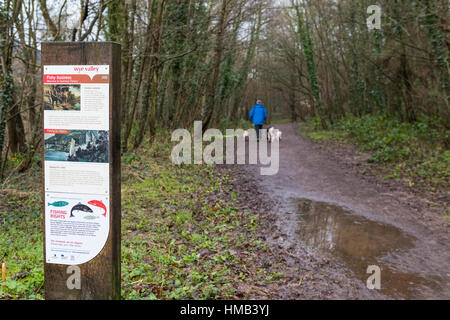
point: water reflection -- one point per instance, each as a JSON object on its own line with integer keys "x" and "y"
{"x": 359, "y": 242}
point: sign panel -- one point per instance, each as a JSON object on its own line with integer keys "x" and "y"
{"x": 76, "y": 161}
{"x": 77, "y": 225}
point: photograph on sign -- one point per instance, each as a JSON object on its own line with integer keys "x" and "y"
{"x": 62, "y": 97}
{"x": 77, "y": 145}
{"x": 77, "y": 227}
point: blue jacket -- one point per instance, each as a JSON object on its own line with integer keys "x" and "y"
{"x": 258, "y": 114}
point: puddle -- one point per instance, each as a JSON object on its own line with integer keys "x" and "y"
{"x": 360, "y": 242}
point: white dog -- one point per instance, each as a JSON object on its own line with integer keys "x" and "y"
{"x": 278, "y": 135}
{"x": 274, "y": 134}
{"x": 270, "y": 133}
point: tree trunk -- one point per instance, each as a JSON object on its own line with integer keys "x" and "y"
{"x": 211, "y": 97}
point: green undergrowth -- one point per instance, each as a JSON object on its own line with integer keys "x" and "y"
{"x": 278, "y": 118}
{"x": 411, "y": 153}
{"x": 182, "y": 232}
{"x": 227, "y": 123}
{"x": 21, "y": 237}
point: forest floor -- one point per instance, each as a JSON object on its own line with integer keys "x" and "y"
{"x": 226, "y": 232}
{"x": 334, "y": 218}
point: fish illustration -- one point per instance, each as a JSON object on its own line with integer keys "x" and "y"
{"x": 80, "y": 207}
{"x": 58, "y": 204}
{"x": 98, "y": 203}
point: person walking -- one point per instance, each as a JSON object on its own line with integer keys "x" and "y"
{"x": 258, "y": 115}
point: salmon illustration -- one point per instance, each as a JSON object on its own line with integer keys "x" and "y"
{"x": 58, "y": 204}
{"x": 80, "y": 207}
{"x": 98, "y": 203}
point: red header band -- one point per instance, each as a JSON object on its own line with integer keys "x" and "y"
{"x": 74, "y": 78}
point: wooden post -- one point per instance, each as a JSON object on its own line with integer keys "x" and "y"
{"x": 99, "y": 277}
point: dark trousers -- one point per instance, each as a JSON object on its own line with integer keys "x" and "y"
{"x": 257, "y": 128}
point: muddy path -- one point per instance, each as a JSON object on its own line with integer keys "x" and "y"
{"x": 331, "y": 224}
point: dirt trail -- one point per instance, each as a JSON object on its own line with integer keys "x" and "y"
{"x": 333, "y": 223}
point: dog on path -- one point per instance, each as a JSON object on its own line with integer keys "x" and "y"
{"x": 274, "y": 134}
